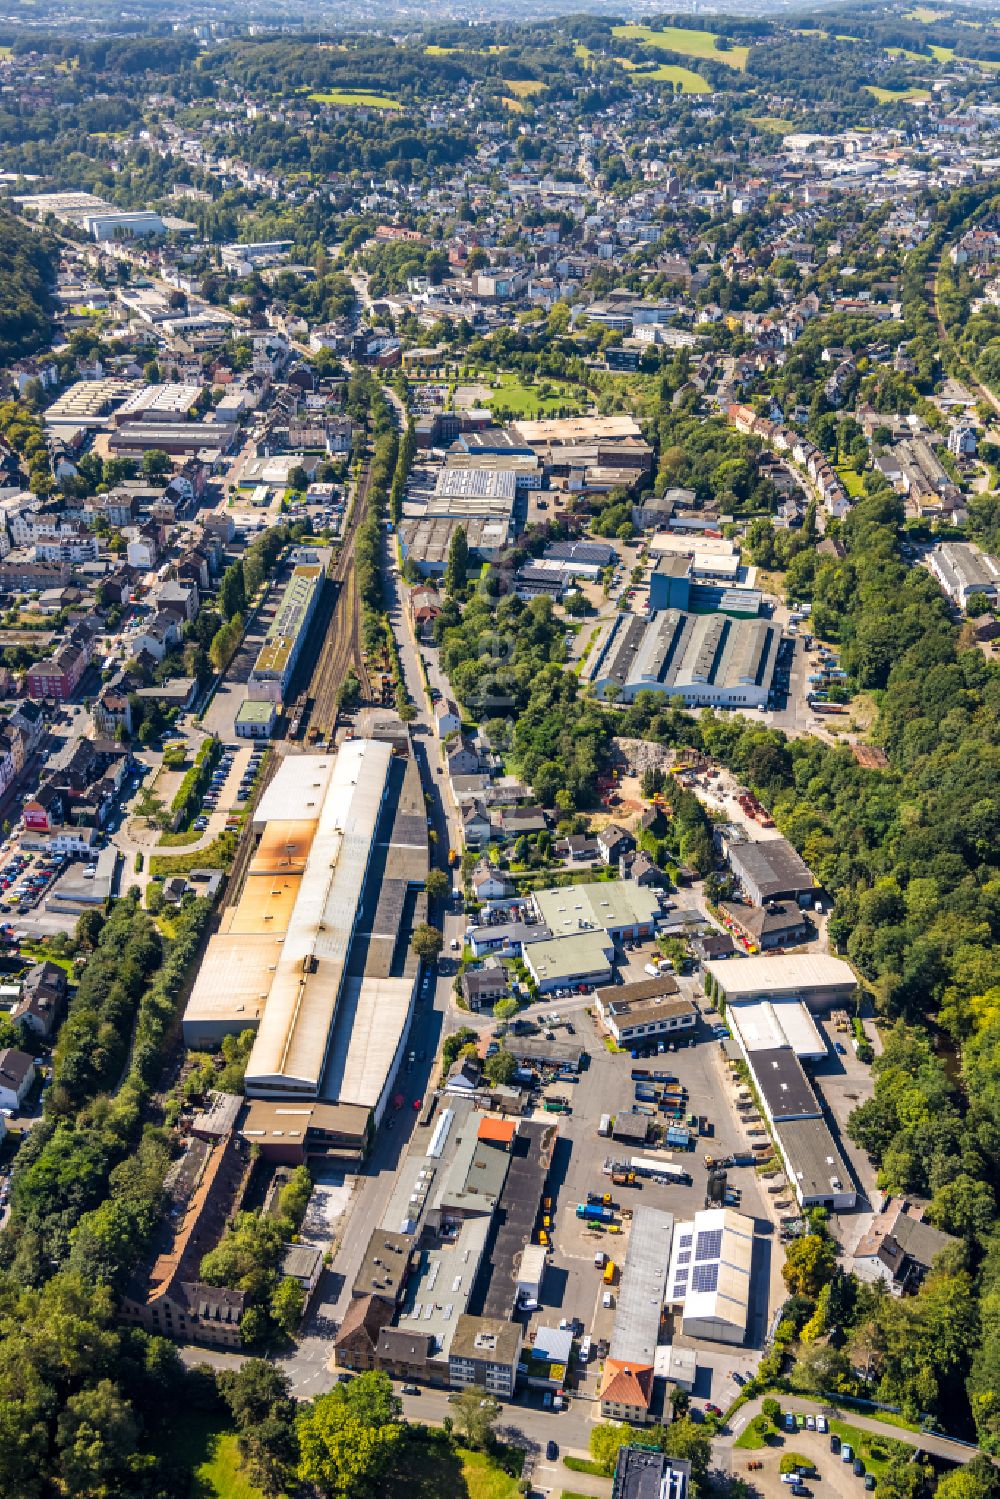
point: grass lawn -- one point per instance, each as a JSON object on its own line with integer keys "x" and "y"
{"x": 356, "y": 97}
{"x": 751, "y": 1441}
{"x": 528, "y": 400}
{"x": 864, "y": 1441}
{"x": 203, "y": 1442}
{"x": 689, "y": 42}
{"x": 436, "y": 1470}
{"x": 773, "y": 123}
{"x": 668, "y": 72}
{"x": 852, "y": 482}
{"x": 895, "y": 95}
{"x": 433, "y": 51}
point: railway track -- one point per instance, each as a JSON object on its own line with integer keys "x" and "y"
{"x": 341, "y": 650}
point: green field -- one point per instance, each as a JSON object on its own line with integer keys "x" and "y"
{"x": 433, "y": 1470}
{"x": 688, "y": 42}
{"x": 773, "y": 123}
{"x": 203, "y": 1442}
{"x": 433, "y": 51}
{"x": 910, "y": 56}
{"x": 852, "y": 482}
{"x": 667, "y": 72}
{"x": 356, "y": 98}
{"x": 524, "y": 87}
{"x": 897, "y": 95}
{"x": 941, "y": 54}
{"x": 530, "y": 402}
{"x": 924, "y": 15}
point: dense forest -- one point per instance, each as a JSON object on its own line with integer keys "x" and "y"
{"x": 27, "y": 274}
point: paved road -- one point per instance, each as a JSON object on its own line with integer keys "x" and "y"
{"x": 940, "y": 1446}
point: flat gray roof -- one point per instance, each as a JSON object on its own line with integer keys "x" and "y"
{"x": 643, "y": 1287}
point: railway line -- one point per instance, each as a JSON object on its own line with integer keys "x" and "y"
{"x": 342, "y": 647}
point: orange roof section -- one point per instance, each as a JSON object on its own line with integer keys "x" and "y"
{"x": 266, "y": 904}
{"x": 284, "y": 847}
{"x": 500, "y": 1131}
{"x": 627, "y": 1384}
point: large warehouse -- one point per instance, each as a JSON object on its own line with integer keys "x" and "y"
{"x": 343, "y": 847}
{"x": 286, "y": 634}
{"x": 710, "y": 1275}
{"x": 770, "y": 870}
{"x": 819, "y": 980}
{"x": 706, "y": 660}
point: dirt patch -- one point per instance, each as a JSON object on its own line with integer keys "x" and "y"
{"x": 638, "y": 755}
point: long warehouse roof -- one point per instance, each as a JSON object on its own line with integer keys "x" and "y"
{"x": 291, "y": 1046}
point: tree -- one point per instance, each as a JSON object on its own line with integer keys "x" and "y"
{"x": 263, "y": 1411}
{"x": 607, "y": 1439}
{"x": 347, "y": 1438}
{"x": 458, "y": 562}
{"x": 298, "y": 478}
{"x": 686, "y": 1440}
{"x": 977, "y": 605}
{"x": 500, "y": 1067}
{"x": 476, "y": 1414}
{"x": 820, "y": 1368}
{"x": 287, "y": 1305}
{"x": 232, "y": 594}
{"x": 809, "y": 1264}
{"x": 155, "y": 464}
{"x": 89, "y": 926}
{"x": 437, "y": 885}
{"x": 151, "y": 372}
{"x": 96, "y": 1436}
{"x": 506, "y": 1008}
{"x": 427, "y": 942}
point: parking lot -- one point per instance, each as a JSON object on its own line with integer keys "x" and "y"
{"x": 574, "y": 1286}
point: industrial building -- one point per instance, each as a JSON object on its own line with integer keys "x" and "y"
{"x": 644, "y": 1473}
{"x": 677, "y": 581}
{"x": 286, "y": 634}
{"x": 342, "y": 848}
{"x": 94, "y": 216}
{"x": 426, "y": 540}
{"x": 627, "y": 1386}
{"x": 963, "y": 570}
{"x": 705, "y": 660}
{"x": 623, "y": 909}
{"x": 765, "y": 1024}
{"x": 710, "y": 1268}
{"x": 819, "y": 980}
{"x": 646, "y": 1010}
{"x": 771, "y": 870}
{"x": 562, "y": 962}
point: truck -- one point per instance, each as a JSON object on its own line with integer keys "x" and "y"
{"x": 679, "y": 1135}
{"x": 599, "y": 1199}
{"x": 660, "y": 1171}
{"x": 645, "y": 1093}
{"x": 609, "y": 1273}
{"x": 592, "y": 1212}
{"x": 452, "y": 857}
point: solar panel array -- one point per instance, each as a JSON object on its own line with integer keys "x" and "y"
{"x": 705, "y": 1277}
{"x": 709, "y": 1245}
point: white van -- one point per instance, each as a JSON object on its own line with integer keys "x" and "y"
{"x": 585, "y": 1350}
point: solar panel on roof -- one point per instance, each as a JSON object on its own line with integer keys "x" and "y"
{"x": 709, "y": 1245}
{"x": 684, "y": 1258}
{"x": 685, "y": 1241}
{"x": 705, "y": 1277}
{"x": 680, "y": 1286}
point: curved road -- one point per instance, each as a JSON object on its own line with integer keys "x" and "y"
{"x": 940, "y": 1446}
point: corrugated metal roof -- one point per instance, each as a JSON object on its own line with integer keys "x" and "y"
{"x": 296, "y": 792}
{"x": 233, "y": 979}
{"x": 291, "y": 1046}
